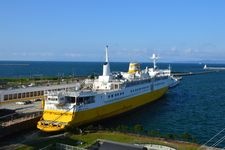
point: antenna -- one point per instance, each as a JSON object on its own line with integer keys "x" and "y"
{"x": 169, "y": 67}
{"x": 154, "y": 58}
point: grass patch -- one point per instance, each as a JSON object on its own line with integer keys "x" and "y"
{"x": 90, "y": 138}
{"x": 38, "y": 143}
{"x": 132, "y": 138}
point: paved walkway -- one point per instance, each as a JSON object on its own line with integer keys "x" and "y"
{"x": 156, "y": 147}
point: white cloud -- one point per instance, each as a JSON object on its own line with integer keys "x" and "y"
{"x": 73, "y": 55}
{"x": 173, "y": 49}
{"x": 188, "y": 51}
{"x": 33, "y": 54}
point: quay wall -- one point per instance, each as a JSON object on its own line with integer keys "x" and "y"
{"x": 18, "y": 127}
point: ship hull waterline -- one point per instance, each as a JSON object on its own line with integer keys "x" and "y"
{"x": 99, "y": 113}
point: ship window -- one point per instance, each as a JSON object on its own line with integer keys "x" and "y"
{"x": 79, "y": 100}
{"x": 85, "y": 100}
{"x": 52, "y": 99}
{"x": 19, "y": 95}
{"x": 14, "y": 96}
{"x": 5, "y": 97}
{"x": 88, "y": 100}
{"x": 27, "y": 94}
{"x": 10, "y": 96}
{"x": 23, "y": 95}
{"x": 73, "y": 99}
{"x": 42, "y": 92}
{"x": 70, "y": 99}
{"x": 108, "y": 96}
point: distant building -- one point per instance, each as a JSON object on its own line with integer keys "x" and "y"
{"x": 31, "y": 92}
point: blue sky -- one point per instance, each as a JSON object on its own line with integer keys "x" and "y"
{"x": 177, "y": 30}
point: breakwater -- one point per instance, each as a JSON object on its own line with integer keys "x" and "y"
{"x": 192, "y": 73}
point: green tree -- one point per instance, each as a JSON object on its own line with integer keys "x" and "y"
{"x": 154, "y": 133}
{"x": 90, "y": 127}
{"x": 187, "y": 136}
{"x": 138, "y": 128}
{"x": 170, "y": 136}
{"x": 72, "y": 129}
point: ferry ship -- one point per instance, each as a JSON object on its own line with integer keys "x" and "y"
{"x": 108, "y": 95}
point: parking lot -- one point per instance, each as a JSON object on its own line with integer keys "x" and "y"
{"x": 23, "y": 107}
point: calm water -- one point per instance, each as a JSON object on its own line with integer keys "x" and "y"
{"x": 196, "y": 106}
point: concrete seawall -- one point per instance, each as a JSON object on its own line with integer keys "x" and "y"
{"x": 8, "y": 128}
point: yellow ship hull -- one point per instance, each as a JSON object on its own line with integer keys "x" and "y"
{"x": 91, "y": 115}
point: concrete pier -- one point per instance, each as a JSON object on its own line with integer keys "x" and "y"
{"x": 15, "y": 118}
{"x": 193, "y": 73}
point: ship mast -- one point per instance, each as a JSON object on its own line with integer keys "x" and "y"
{"x": 106, "y": 66}
{"x": 154, "y": 59}
{"x": 106, "y": 54}
{"x": 103, "y": 81}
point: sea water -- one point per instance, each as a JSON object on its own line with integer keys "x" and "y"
{"x": 196, "y": 106}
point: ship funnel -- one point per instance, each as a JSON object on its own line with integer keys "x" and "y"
{"x": 106, "y": 66}
{"x": 134, "y": 67}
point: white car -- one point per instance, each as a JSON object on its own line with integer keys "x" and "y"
{"x": 20, "y": 103}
